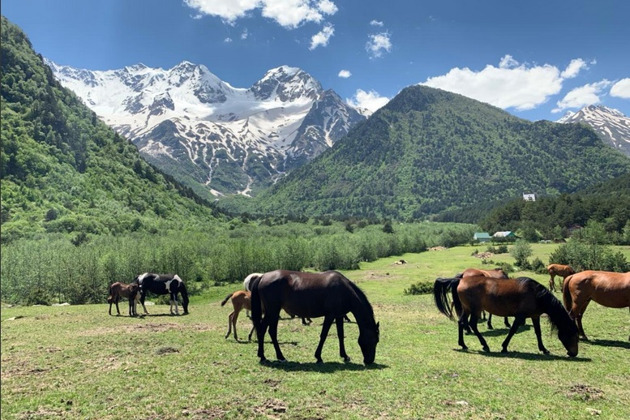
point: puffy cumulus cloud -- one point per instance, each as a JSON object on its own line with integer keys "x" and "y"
{"x": 322, "y": 37}
{"x": 287, "y": 13}
{"x": 376, "y": 23}
{"x": 378, "y": 44}
{"x": 344, "y": 74}
{"x": 621, "y": 89}
{"x": 370, "y": 101}
{"x": 582, "y": 96}
{"x": 510, "y": 85}
{"x": 574, "y": 68}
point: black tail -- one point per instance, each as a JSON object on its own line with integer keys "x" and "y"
{"x": 184, "y": 292}
{"x": 226, "y": 299}
{"x": 256, "y": 303}
{"x": 441, "y": 288}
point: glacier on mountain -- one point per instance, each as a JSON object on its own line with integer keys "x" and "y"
{"x": 216, "y": 138}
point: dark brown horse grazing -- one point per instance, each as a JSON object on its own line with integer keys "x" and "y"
{"x": 521, "y": 298}
{"x": 558, "y": 270}
{"x": 604, "y": 287}
{"x": 120, "y": 290}
{"x": 328, "y": 294}
{"x": 496, "y": 273}
{"x": 241, "y": 299}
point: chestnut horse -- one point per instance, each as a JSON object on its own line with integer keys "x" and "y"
{"x": 310, "y": 295}
{"x": 521, "y": 298}
{"x": 496, "y": 273}
{"x": 558, "y": 270}
{"x": 120, "y": 290}
{"x": 604, "y": 287}
{"x": 241, "y": 299}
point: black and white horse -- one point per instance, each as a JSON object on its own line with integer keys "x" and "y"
{"x": 162, "y": 284}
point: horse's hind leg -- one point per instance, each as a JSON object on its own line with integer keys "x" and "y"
{"x": 490, "y": 321}
{"x": 473, "y": 324}
{"x": 518, "y": 321}
{"x": 229, "y": 325}
{"x": 273, "y": 332}
{"x": 234, "y": 319}
{"x": 552, "y": 283}
{"x": 462, "y": 324}
{"x": 328, "y": 320}
{"x": 506, "y": 322}
{"x": 536, "y": 322}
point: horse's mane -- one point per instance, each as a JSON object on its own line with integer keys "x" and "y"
{"x": 362, "y": 298}
{"x": 558, "y": 316}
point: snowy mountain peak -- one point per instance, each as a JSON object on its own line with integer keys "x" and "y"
{"x": 611, "y": 124}
{"x": 215, "y": 138}
{"x": 286, "y": 84}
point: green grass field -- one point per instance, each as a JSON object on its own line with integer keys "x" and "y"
{"x": 79, "y": 362}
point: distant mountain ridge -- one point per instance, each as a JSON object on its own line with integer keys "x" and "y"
{"x": 428, "y": 151}
{"x": 216, "y": 138}
{"x": 611, "y": 124}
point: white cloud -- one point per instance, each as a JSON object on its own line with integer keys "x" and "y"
{"x": 621, "y": 89}
{"x": 582, "y": 96}
{"x": 322, "y": 37}
{"x": 344, "y": 74}
{"x": 368, "y": 100}
{"x": 378, "y": 43}
{"x": 227, "y": 40}
{"x": 244, "y": 34}
{"x": 574, "y": 68}
{"x": 287, "y": 13}
{"x": 376, "y": 23}
{"x": 511, "y": 85}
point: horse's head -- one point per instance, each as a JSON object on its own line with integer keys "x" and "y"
{"x": 569, "y": 339}
{"x": 368, "y": 339}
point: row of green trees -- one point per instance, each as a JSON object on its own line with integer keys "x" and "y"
{"x": 54, "y": 269}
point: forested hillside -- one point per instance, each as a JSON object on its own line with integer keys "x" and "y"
{"x": 429, "y": 151}
{"x": 64, "y": 171}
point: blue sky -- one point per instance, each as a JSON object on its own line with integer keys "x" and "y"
{"x": 535, "y": 59}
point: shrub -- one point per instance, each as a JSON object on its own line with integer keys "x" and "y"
{"x": 421, "y": 288}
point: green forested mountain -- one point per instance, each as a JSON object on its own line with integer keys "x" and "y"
{"x": 63, "y": 170}
{"x": 429, "y": 151}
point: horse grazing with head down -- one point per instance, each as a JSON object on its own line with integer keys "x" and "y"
{"x": 604, "y": 287}
{"x": 496, "y": 273}
{"x": 120, "y": 290}
{"x": 162, "y": 284}
{"x": 521, "y": 298}
{"x": 328, "y": 294}
{"x": 241, "y": 299}
{"x": 558, "y": 270}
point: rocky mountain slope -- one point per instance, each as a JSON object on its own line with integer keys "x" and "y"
{"x": 213, "y": 137}
{"x": 612, "y": 125}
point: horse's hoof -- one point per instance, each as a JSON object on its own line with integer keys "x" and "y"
{"x": 545, "y": 351}
{"x": 487, "y": 349}
{"x": 490, "y": 327}
{"x": 346, "y": 359}
{"x": 502, "y": 351}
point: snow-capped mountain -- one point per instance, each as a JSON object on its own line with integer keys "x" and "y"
{"x": 611, "y": 125}
{"x": 208, "y": 134}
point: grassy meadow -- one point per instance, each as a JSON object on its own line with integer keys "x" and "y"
{"x": 79, "y": 362}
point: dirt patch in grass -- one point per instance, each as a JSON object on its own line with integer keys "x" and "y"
{"x": 142, "y": 328}
{"x": 585, "y": 392}
{"x": 272, "y": 408}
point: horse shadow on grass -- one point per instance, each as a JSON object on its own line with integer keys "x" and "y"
{"x": 527, "y": 356}
{"x": 608, "y": 343}
{"x": 326, "y": 367}
{"x": 502, "y": 331}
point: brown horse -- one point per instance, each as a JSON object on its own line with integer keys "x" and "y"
{"x": 310, "y": 295}
{"x": 558, "y": 270}
{"x": 604, "y": 287}
{"x": 496, "y": 273}
{"x": 521, "y": 298}
{"x": 241, "y": 299}
{"x": 120, "y": 290}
